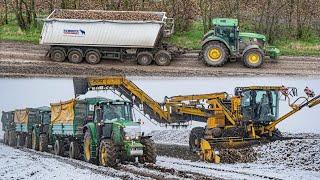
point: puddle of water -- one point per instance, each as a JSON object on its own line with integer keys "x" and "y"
{"x": 21, "y": 93}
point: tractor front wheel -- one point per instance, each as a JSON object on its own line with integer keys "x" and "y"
{"x": 195, "y": 137}
{"x": 43, "y": 143}
{"x": 87, "y": 147}
{"x": 107, "y": 153}
{"x": 149, "y": 151}
{"x": 253, "y": 58}
{"x": 215, "y": 53}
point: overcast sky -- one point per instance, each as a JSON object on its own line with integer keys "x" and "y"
{"x": 21, "y": 93}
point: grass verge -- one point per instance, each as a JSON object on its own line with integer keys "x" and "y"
{"x": 12, "y": 32}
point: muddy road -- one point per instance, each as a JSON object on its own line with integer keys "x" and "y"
{"x": 28, "y": 60}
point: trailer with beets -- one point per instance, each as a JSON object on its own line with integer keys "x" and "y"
{"x": 8, "y": 126}
{"x": 93, "y": 35}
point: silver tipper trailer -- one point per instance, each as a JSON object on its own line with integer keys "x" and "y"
{"x": 92, "y": 35}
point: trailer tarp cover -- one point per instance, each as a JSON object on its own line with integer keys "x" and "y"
{"x": 21, "y": 116}
{"x": 62, "y": 113}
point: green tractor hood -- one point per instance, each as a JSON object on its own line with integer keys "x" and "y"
{"x": 252, "y": 35}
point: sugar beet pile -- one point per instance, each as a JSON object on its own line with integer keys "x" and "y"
{"x": 105, "y": 15}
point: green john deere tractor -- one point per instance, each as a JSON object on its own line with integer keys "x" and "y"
{"x": 225, "y": 43}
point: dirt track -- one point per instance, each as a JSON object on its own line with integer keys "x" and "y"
{"x": 28, "y": 60}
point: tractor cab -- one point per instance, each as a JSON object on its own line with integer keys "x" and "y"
{"x": 114, "y": 110}
{"x": 259, "y": 104}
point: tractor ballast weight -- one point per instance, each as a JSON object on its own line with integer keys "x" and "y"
{"x": 224, "y": 42}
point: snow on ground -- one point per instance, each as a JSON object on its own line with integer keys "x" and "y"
{"x": 290, "y": 159}
{"x": 17, "y": 164}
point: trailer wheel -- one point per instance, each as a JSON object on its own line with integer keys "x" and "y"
{"x": 149, "y": 151}
{"x": 58, "y": 148}
{"x": 20, "y": 140}
{"x": 58, "y": 54}
{"x": 93, "y": 57}
{"x": 253, "y": 58}
{"x": 75, "y": 56}
{"x": 74, "y": 150}
{"x": 43, "y": 143}
{"x": 35, "y": 140}
{"x": 144, "y": 58}
{"x": 12, "y": 138}
{"x": 5, "y": 137}
{"x": 195, "y": 137}
{"x": 28, "y": 141}
{"x": 107, "y": 153}
{"x": 215, "y": 53}
{"x": 87, "y": 147}
{"x": 162, "y": 58}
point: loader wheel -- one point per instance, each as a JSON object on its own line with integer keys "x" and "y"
{"x": 87, "y": 147}
{"x": 149, "y": 151}
{"x": 35, "y": 140}
{"x": 12, "y": 138}
{"x": 253, "y": 58}
{"x": 215, "y": 53}
{"x": 58, "y": 148}
{"x": 74, "y": 150}
{"x": 144, "y": 58}
{"x": 162, "y": 58}
{"x": 93, "y": 57}
{"x": 43, "y": 143}
{"x": 75, "y": 56}
{"x": 58, "y": 54}
{"x": 107, "y": 153}
{"x": 195, "y": 137}
{"x": 28, "y": 141}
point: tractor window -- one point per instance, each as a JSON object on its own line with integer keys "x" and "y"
{"x": 117, "y": 111}
{"x": 45, "y": 118}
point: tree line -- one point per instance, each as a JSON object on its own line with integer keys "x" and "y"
{"x": 274, "y": 18}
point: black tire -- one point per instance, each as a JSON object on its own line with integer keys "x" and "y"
{"x": 144, "y": 58}
{"x": 20, "y": 140}
{"x": 35, "y": 140}
{"x": 5, "y": 137}
{"x": 93, "y": 57}
{"x": 149, "y": 151}
{"x": 12, "y": 138}
{"x": 43, "y": 143}
{"x": 87, "y": 147}
{"x": 162, "y": 58}
{"x": 28, "y": 141}
{"x": 215, "y": 53}
{"x": 57, "y": 54}
{"x": 75, "y": 56}
{"x": 74, "y": 150}
{"x": 276, "y": 135}
{"x": 58, "y": 148}
{"x": 107, "y": 153}
{"x": 195, "y": 137}
{"x": 253, "y": 58}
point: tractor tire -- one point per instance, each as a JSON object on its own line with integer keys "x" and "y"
{"x": 58, "y": 148}
{"x": 162, "y": 58}
{"x": 35, "y": 140}
{"x": 253, "y": 58}
{"x": 215, "y": 54}
{"x": 57, "y": 54}
{"x": 195, "y": 137}
{"x": 87, "y": 147}
{"x": 12, "y": 138}
{"x": 107, "y": 153}
{"x": 144, "y": 58}
{"x": 43, "y": 143}
{"x": 28, "y": 141}
{"x": 93, "y": 57}
{"x": 75, "y": 56}
{"x": 74, "y": 150}
{"x": 149, "y": 151}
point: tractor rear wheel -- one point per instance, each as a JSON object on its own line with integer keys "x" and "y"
{"x": 57, "y": 54}
{"x": 58, "y": 148}
{"x": 43, "y": 143}
{"x": 12, "y": 138}
{"x": 75, "y": 56}
{"x": 87, "y": 147}
{"x": 253, "y": 58}
{"x": 162, "y": 58}
{"x": 35, "y": 140}
{"x": 215, "y": 53}
{"x": 195, "y": 137}
{"x": 107, "y": 153}
{"x": 149, "y": 151}
{"x": 144, "y": 58}
{"x": 74, "y": 150}
{"x": 28, "y": 141}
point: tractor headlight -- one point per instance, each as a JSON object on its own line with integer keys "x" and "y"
{"x": 216, "y": 152}
{"x": 132, "y": 132}
{"x": 127, "y": 138}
